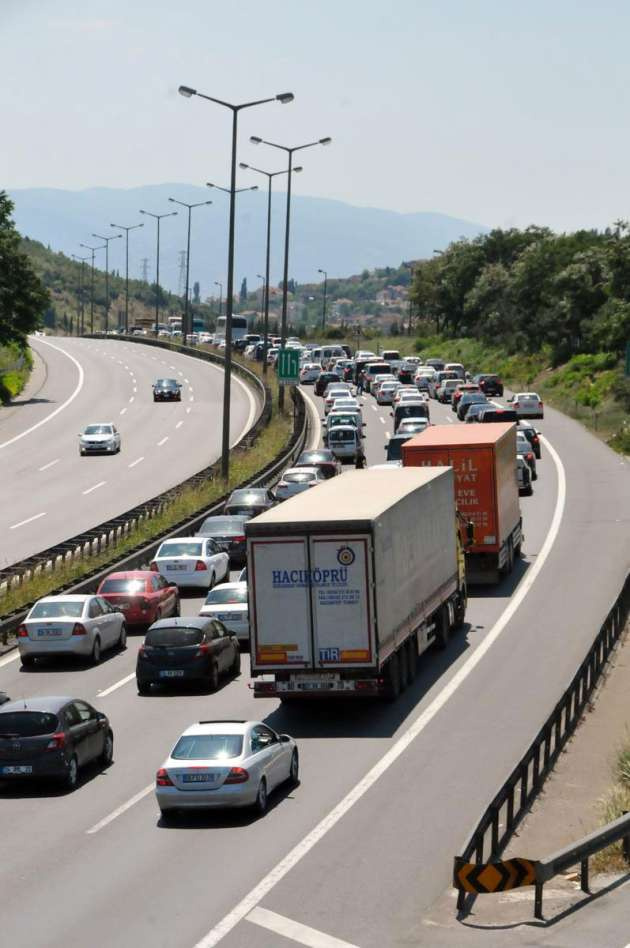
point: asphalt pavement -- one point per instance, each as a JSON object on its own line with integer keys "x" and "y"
{"x": 358, "y": 852}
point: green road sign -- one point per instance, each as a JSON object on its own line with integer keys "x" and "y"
{"x": 288, "y": 366}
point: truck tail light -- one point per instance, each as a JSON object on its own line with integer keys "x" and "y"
{"x": 200, "y": 566}
{"x": 154, "y": 567}
{"x": 22, "y": 632}
{"x": 237, "y": 775}
{"x": 56, "y": 742}
{"x": 79, "y": 629}
{"x": 162, "y": 778}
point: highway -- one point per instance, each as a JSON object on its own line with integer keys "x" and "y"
{"x": 388, "y": 794}
{"x": 49, "y": 492}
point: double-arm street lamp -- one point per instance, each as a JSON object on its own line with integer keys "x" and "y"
{"x": 284, "y": 98}
{"x": 158, "y": 218}
{"x": 220, "y": 285}
{"x": 126, "y": 230}
{"x": 186, "y": 328}
{"x": 92, "y": 252}
{"x": 270, "y": 176}
{"x": 325, "y": 288}
{"x": 255, "y": 140}
{"x": 107, "y": 240}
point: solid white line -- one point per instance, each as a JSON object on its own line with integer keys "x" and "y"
{"x": 57, "y": 410}
{"x": 11, "y": 657}
{"x": 137, "y": 461}
{"x": 23, "y": 523}
{"x": 163, "y": 441}
{"x": 120, "y": 810}
{"x": 96, "y": 486}
{"x": 179, "y": 424}
{"x": 119, "y": 684}
{"x": 302, "y": 934}
{"x": 281, "y": 869}
{"x": 122, "y": 411}
{"x": 50, "y": 464}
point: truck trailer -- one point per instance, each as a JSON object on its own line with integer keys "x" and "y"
{"x": 351, "y": 582}
{"x": 483, "y": 458}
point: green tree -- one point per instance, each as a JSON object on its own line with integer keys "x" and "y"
{"x": 196, "y": 292}
{"x": 23, "y": 298}
{"x": 243, "y": 293}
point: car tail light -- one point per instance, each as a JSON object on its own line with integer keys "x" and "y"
{"x": 79, "y": 629}
{"x": 238, "y": 539}
{"x": 529, "y": 456}
{"x": 22, "y": 632}
{"x": 154, "y": 567}
{"x": 200, "y": 567}
{"x": 142, "y": 652}
{"x": 237, "y": 775}
{"x": 540, "y": 404}
{"x": 57, "y": 741}
{"x": 162, "y": 778}
{"x": 202, "y": 650}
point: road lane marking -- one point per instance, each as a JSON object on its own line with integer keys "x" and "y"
{"x": 131, "y": 400}
{"x": 95, "y": 487}
{"x": 116, "y": 686}
{"x": 137, "y": 461}
{"x": 448, "y": 418}
{"x": 179, "y": 424}
{"x": 122, "y": 411}
{"x": 120, "y": 810}
{"x": 295, "y": 931}
{"x": 50, "y": 464}
{"x": 12, "y": 657}
{"x": 191, "y": 399}
{"x": 134, "y": 390}
{"x": 374, "y": 408}
{"x": 382, "y": 421}
{"x": 23, "y": 523}
{"x": 188, "y": 411}
{"x": 295, "y": 855}
{"x": 163, "y": 441}
{"x": 65, "y": 404}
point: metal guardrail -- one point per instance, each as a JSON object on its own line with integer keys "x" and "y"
{"x": 142, "y": 555}
{"x": 522, "y": 786}
{"x": 92, "y": 542}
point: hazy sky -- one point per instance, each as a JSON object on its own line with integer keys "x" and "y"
{"x": 502, "y": 112}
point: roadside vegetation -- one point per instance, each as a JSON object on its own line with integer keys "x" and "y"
{"x": 614, "y": 804}
{"x": 16, "y": 363}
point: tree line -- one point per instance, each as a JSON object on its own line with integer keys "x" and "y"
{"x": 23, "y": 298}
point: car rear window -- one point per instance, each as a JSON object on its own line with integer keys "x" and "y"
{"x": 176, "y": 548}
{"x": 59, "y": 609}
{"x": 208, "y": 747}
{"x": 339, "y": 434}
{"x": 173, "y": 637}
{"x": 248, "y": 497}
{"x": 27, "y": 723}
{"x": 131, "y": 586}
{"x": 227, "y": 527}
{"x": 299, "y": 478}
{"x": 225, "y": 597}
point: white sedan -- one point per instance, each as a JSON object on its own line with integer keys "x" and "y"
{"x": 191, "y": 561}
{"x": 527, "y": 405}
{"x": 348, "y": 404}
{"x": 296, "y": 480}
{"x": 342, "y": 390}
{"x": 386, "y": 392}
{"x": 103, "y": 437}
{"x": 310, "y": 372}
{"x": 228, "y": 604}
{"x": 70, "y": 625}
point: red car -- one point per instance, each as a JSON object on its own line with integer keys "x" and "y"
{"x": 141, "y": 595}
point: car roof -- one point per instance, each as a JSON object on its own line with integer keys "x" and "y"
{"x": 52, "y": 704}
{"x": 91, "y": 423}
{"x": 237, "y": 584}
{"x": 183, "y": 540}
{"x": 73, "y": 597}
{"x": 322, "y": 453}
{"x": 220, "y": 727}
{"x": 181, "y": 622}
{"x": 303, "y": 468}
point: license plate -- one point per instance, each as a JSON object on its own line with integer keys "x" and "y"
{"x": 321, "y": 679}
{"x": 173, "y": 566}
{"x": 17, "y": 770}
{"x": 172, "y": 673}
{"x": 49, "y": 633}
{"x": 200, "y": 778}
{"x": 315, "y": 685}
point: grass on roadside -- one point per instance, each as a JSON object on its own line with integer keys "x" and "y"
{"x": 16, "y": 364}
{"x": 613, "y": 805}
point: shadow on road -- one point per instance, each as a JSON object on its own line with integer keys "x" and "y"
{"x": 227, "y": 818}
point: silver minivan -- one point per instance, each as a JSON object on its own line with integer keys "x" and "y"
{"x": 345, "y": 443}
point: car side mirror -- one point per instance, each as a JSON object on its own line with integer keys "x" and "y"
{"x": 100, "y": 716}
{"x": 285, "y": 739}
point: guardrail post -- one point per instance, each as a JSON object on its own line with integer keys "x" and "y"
{"x": 461, "y": 900}
{"x": 494, "y": 846}
{"x": 538, "y": 901}
{"x": 584, "y": 875}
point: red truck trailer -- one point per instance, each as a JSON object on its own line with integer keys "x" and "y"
{"x": 483, "y": 458}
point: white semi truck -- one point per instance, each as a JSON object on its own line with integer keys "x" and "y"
{"x": 350, "y": 582}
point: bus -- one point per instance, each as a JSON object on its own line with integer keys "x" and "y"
{"x": 239, "y": 328}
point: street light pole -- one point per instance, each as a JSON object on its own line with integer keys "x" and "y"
{"x": 126, "y": 230}
{"x": 255, "y": 140}
{"x": 190, "y": 207}
{"x": 284, "y": 98}
{"x": 262, "y": 298}
{"x": 107, "y": 240}
{"x": 220, "y": 285}
{"x": 92, "y": 251}
{"x": 158, "y": 218}
{"x": 80, "y": 295}
{"x": 325, "y": 288}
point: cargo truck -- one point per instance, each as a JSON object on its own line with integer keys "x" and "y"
{"x": 483, "y": 458}
{"x": 350, "y": 582}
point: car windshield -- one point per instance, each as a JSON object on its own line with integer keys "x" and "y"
{"x": 227, "y": 597}
{"x": 27, "y": 723}
{"x": 208, "y": 747}
{"x": 248, "y": 497}
{"x": 179, "y": 548}
{"x": 57, "y": 609}
{"x": 408, "y": 411}
{"x": 131, "y": 586}
{"x": 173, "y": 637}
{"x": 166, "y": 383}
{"x": 98, "y": 429}
{"x": 222, "y": 527}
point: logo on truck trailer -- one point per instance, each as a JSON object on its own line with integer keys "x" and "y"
{"x": 345, "y": 556}
{"x": 286, "y": 578}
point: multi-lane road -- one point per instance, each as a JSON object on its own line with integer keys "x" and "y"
{"x": 388, "y": 793}
{"x": 49, "y": 492}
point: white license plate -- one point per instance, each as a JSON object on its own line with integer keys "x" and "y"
{"x": 173, "y": 566}
{"x": 308, "y": 679}
{"x": 199, "y": 778}
{"x": 49, "y": 633}
{"x": 17, "y": 770}
{"x": 315, "y": 685}
{"x": 172, "y": 673}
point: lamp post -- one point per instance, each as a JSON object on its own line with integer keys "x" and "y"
{"x": 270, "y": 176}
{"x": 92, "y": 251}
{"x": 255, "y": 140}
{"x": 220, "y": 285}
{"x": 158, "y": 218}
{"x": 126, "y": 230}
{"x": 263, "y": 289}
{"x": 284, "y": 98}
{"x": 80, "y": 293}
{"x": 107, "y": 240}
{"x": 325, "y": 288}
{"x": 190, "y": 207}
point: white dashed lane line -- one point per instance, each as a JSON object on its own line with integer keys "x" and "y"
{"x": 122, "y": 411}
{"x": 382, "y": 420}
{"x": 179, "y": 424}
{"x": 23, "y": 523}
{"x": 188, "y": 411}
{"x": 95, "y": 487}
{"x": 163, "y": 441}
{"x": 130, "y": 400}
{"x": 50, "y": 464}
{"x": 137, "y": 461}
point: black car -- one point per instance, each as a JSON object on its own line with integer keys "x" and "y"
{"x": 475, "y": 411}
{"x": 406, "y": 374}
{"x": 468, "y": 399}
{"x": 167, "y": 390}
{"x": 229, "y": 535}
{"x": 323, "y": 380}
{"x": 190, "y": 649}
{"x": 532, "y": 435}
{"x": 249, "y": 502}
{"x": 52, "y": 738}
{"x": 393, "y": 448}
{"x": 489, "y": 384}
{"x": 497, "y": 414}
{"x": 323, "y": 459}
{"x": 4, "y": 697}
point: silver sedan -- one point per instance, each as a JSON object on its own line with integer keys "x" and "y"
{"x": 225, "y": 764}
{"x": 70, "y": 625}
{"x": 102, "y": 438}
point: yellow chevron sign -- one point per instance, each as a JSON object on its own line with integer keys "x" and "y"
{"x": 493, "y": 876}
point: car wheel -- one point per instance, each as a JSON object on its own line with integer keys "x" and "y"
{"x": 144, "y": 688}
{"x": 27, "y": 661}
{"x": 107, "y": 754}
{"x": 294, "y": 769}
{"x": 168, "y": 817}
{"x": 212, "y": 581}
{"x": 529, "y": 490}
{"x": 261, "y": 798}
{"x": 236, "y": 664}
{"x": 72, "y": 776}
{"x": 96, "y": 651}
{"x": 213, "y": 679}
{"x": 534, "y": 475}
{"x": 122, "y": 641}
{"x": 509, "y": 563}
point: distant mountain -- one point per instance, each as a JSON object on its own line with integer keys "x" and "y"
{"x": 338, "y": 237}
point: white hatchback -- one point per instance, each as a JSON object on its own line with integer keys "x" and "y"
{"x": 102, "y": 438}
{"x": 191, "y": 561}
{"x": 70, "y": 625}
{"x": 527, "y": 405}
